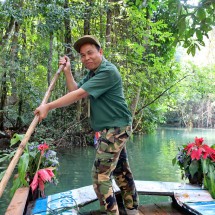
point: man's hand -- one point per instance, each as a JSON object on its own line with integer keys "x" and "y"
{"x": 42, "y": 111}
{"x": 70, "y": 82}
{"x": 66, "y": 62}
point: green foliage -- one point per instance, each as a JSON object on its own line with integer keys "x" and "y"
{"x": 209, "y": 179}
{"x": 32, "y": 159}
{"x": 195, "y": 96}
{"x": 16, "y": 138}
{"x": 143, "y": 40}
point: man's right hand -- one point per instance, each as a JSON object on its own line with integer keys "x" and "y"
{"x": 42, "y": 111}
{"x": 70, "y": 82}
{"x": 66, "y": 62}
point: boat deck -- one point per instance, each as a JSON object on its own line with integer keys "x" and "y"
{"x": 165, "y": 208}
{"x": 190, "y": 198}
{"x": 160, "y": 209}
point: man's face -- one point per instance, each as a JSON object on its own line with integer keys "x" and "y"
{"x": 90, "y": 56}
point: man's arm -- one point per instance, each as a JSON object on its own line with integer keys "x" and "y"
{"x": 70, "y": 81}
{"x": 66, "y": 100}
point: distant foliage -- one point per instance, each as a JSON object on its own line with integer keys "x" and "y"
{"x": 140, "y": 37}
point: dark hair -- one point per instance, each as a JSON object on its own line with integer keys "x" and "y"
{"x": 97, "y": 47}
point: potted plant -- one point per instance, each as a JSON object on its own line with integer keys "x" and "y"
{"x": 37, "y": 166}
{"x": 191, "y": 158}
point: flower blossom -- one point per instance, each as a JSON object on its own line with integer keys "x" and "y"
{"x": 43, "y": 147}
{"x": 198, "y": 150}
{"x": 42, "y": 176}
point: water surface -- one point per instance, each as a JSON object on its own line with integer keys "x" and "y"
{"x": 150, "y": 158}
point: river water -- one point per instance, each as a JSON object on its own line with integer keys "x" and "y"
{"x": 150, "y": 158}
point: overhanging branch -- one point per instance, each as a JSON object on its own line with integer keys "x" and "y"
{"x": 144, "y": 106}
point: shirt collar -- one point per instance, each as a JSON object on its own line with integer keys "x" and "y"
{"x": 102, "y": 63}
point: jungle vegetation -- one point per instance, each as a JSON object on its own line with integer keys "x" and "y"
{"x": 140, "y": 37}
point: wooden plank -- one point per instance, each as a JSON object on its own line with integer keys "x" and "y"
{"x": 184, "y": 196}
{"x": 82, "y": 196}
{"x": 18, "y": 202}
{"x": 151, "y": 209}
{"x": 159, "y": 209}
{"x": 85, "y": 195}
{"x": 162, "y": 188}
{"x": 193, "y": 200}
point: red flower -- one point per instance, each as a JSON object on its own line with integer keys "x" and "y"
{"x": 213, "y": 156}
{"x": 199, "y": 141}
{"x": 42, "y": 176}
{"x": 198, "y": 150}
{"x": 43, "y": 147}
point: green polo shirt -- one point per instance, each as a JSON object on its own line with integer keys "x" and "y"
{"x": 108, "y": 108}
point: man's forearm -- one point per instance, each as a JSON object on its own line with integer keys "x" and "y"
{"x": 68, "y": 99}
{"x": 70, "y": 81}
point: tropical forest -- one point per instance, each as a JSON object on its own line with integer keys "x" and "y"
{"x": 164, "y": 50}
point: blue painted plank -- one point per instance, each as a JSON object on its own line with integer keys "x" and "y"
{"x": 205, "y": 208}
{"x": 40, "y": 206}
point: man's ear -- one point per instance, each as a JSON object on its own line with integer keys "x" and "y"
{"x": 101, "y": 51}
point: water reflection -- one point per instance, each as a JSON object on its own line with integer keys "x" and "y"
{"x": 150, "y": 158}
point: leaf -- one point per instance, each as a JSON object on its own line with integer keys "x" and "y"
{"x": 191, "y": 32}
{"x": 182, "y": 25}
{"x": 16, "y": 184}
{"x": 173, "y": 161}
{"x": 2, "y": 174}
{"x": 204, "y": 166}
{"x": 16, "y": 138}
{"x": 7, "y": 156}
{"x": 194, "y": 166}
{"x": 199, "y": 35}
{"x": 4, "y": 158}
{"x": 201, "y": 43}
{"x": 22, "y": 168}
{"x": 201, "y": 14}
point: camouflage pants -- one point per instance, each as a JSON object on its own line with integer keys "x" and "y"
{"x": 111, "y": 159}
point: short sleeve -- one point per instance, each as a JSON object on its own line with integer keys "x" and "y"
{"x": 100, "y": 83}
{"x": 83, "y": 80}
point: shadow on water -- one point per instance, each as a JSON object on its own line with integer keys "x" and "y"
{"x": 150, "y": 158}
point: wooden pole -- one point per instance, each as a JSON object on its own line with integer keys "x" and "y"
{"x": 30, "y": 130}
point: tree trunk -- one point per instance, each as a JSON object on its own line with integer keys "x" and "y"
{"x": 3, "y": 99}
{"x": 109, "y": 24}
{"x": 68, "y": 36}
{"x": 14, "y": 68}
{"x": 19, "y": 118}
{"x": 202, "y": 114}
{"x": 135, "y": 102}
{"x": 100, "y": 21}
{"x": 87, "y": 17}
{"x": 209, "y": 114}
{"x": 8, "y": 31}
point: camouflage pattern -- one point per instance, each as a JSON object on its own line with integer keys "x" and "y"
{"x": 111, "y": 160}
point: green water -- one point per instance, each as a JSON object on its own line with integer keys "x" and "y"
{"x": 150, "y": 158}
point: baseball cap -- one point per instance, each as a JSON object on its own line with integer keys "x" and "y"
{"x": 86, "y": 39}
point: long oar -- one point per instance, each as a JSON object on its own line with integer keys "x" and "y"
{"x": 30, "y": 130}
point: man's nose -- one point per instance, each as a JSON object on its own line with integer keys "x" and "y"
{"x": 87, "y": 57}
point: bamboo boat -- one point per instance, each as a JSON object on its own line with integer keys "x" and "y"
{"x": 186, "y": 199}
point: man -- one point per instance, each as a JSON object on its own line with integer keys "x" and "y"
{"x": 109, "y": 115}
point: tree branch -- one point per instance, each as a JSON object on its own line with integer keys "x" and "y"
{"x": 144, "y": 106}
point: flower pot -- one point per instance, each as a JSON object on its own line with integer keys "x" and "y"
{"x": 196, "y": 179}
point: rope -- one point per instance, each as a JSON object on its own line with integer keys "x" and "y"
{"x": 59, "y": 211}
